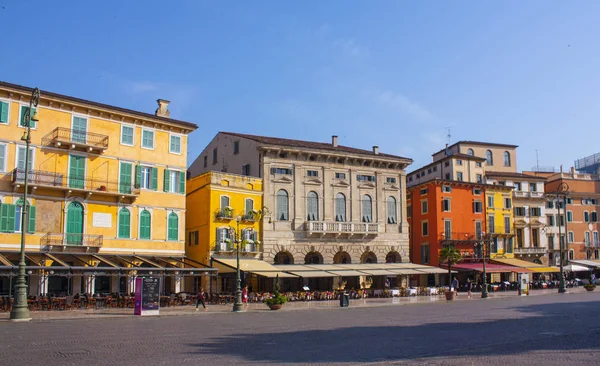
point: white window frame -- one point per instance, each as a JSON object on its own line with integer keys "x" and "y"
{"x": 17, "y": 146}
{"x": 171, "y": 135}
{"x": 8, "y": 101}
{"x": 228, "y": 201}
{"x": 19, "y": 116}
{"x": 449, "y": 204}
{"x": 142, "y": 174}
{"x": 121, "y": 137}
{"x": 171, "y": 171}
{"x": 3, "y": 168}
{"x": 153, "y": 138}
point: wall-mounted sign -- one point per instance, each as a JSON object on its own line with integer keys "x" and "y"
{"x": 101, "y": 220}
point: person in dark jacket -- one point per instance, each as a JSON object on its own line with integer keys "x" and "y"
{"x": 200, "y": 299}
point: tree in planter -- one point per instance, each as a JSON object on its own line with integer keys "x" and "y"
{"x": 451, "y": 256}
{"x": 278, "y": 298}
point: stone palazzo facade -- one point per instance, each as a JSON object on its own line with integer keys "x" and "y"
{"x": 324, "y": 203}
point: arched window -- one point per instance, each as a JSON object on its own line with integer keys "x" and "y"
{"x": 124, "y": 223}
{"x": 282, "y": 205}
{"x": 312, "y": 206}
{"x": 145, "y": 221}
{"x": 367, "y": 208}
{"x": 340, "y": 207}
{"x": 470, "y": 152}
{"x": 392, "y": 210}
{"x": 224, "y": 202}
{"x": 489, "y": 157}
{"x": 248, "y": 205}
{"x": 249, "y": 235}
{"x": 173, "y": 227}
{"x": 506, "y": 158}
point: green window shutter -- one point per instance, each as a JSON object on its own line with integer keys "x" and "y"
{"x": 22, "y": 119}
{"x": 167, "y": 180}
{"x": 11, "y": 218}
{"x": 32, "y": 121}
{"x": 145, "y": 222}
{"x": 3, "y": 112}
{"x": 138, "y": 176}
{"x": 31, "y": 223}
{"x": 154, "y": 178}
{"x": 4, "y": 218}
{"x": 125, "y": 178}
{"x": 124, "y": 223}
{"x": 173, "y": 227}
{"x": 181, "y": 182}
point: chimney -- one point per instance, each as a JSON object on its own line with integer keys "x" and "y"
{"x": 376, "y": 150}
{"x": 334, "y": 141}
{"x": 162, "y": 110}
{"x": 446, "y": 153}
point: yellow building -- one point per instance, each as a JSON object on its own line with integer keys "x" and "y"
{"x": 106, "y": 191}
{"x": 221, "y": 208}
{"x": 499, "y": 209}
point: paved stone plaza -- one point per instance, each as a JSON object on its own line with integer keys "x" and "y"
{"x": 551, "y": 330}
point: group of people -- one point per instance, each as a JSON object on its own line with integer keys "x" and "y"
{"x": 201, "y": 299}
{"x": 455, "y": 285}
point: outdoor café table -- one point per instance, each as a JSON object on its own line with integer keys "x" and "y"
{"x": 100, "y": 301}
{"x": 412, "y": 291}
{"x": 58, "y": 301}
{"x": 432, "y": 291}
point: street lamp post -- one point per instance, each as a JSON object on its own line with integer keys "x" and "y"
{"x": 484, "y": 291}
{"x": 20, "y": 311}
{"x": 238, "y": 306}
{"x": 562, "y": 190}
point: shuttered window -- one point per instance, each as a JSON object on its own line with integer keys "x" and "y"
{"x": 125, "y": 178}
{"x": 282, "y": 205}
{"x": 340, "y": 207}
{"x": 124, "y": 223}
{"x": 4, "y": 112}
{"x": 7, "y": 218}
{"x": 22, "y": 120}
{"x": 148, "y": 139}
{"x": 173, "y": 227}
{"x": 392, "y": 210}
{"x": 145, "y": 221}
{"x": 313, "y": 206}
{"x": 3, "y": 157}
{"x": 175, "y": 145}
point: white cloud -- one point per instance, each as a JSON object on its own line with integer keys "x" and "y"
{"x": 352, "y": 48}
{"x": 399, "y": 102}
{"x": 140, "y": 86}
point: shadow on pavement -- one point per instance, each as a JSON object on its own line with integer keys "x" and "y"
{"x": 544, "y": 327}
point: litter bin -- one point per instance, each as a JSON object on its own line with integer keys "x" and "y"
{"x": 344, "y": 299}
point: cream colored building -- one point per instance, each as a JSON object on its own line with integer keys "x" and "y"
{"x": 456, "y": 167}
{"x": 328, "y": 203}
{"x": 499, "y": 157}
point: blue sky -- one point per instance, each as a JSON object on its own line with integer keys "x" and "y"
{"x": 387, "y": 73}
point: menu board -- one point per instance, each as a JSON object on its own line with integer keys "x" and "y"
{"x": 147, "y": 296}
{"x": 150, "y": 293}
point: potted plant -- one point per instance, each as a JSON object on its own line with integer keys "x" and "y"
{"x": 589, "y": 286}
{"x": 276, "y": 302}
{"x": 451, "y": 256}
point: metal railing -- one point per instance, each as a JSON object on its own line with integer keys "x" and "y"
{"x": 530, "y": 250}
{"x": 500, "y": 230}
{"x": 71, "y": 240}
{"x": 331, "y": 227}
{"x": 224, "y": 214}
{"x": 460, "y": 236}
{"x": 61, "y": 134}
{"x": 225, "y": 247}
{"x": 58, "y": 180}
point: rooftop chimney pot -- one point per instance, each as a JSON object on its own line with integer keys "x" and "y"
{"x": 334, "y": 141}
{"x": 162, "y": 110}
{"x": 376, "y": 150}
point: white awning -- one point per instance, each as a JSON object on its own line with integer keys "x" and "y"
{"x": 275, "y": 274}
{"x": 310, "y": 274}
{"x": 346, "y": 273}
{"x": 576, "y": 268}
{"x": 586, "y": 263}
{"x": 227, "y": 265}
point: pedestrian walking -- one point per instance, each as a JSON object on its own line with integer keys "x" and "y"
{"x": 201, "y": 299}
{"x": 245, "y": 296}
{"x": 455, "y": 285}
{"x": 469, "y": 287}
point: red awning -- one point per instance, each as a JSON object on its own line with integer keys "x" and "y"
{"x": 489, "y": 268}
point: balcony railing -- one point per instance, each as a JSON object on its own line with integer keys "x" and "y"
{"x": 530, "y": 250}
{"x": 337, "y": 228}
{"x": 460, "y": 236}
{"x": 59, "y": 181}
{"x": 500, "y": 230}
{"x": 520, "y": 194}
{"x": 224, "y": 214}
{"x": 66, "y": 240}
{"x": 76, "y": 139}
{"x": 230, "y": 247}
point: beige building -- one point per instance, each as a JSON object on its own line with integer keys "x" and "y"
{"x": 456, "y": 167}
{"x": 328, "y": 203}
{"x": 498, "y": 157}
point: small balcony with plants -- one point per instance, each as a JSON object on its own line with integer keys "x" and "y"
{"x": 225, "y": 213}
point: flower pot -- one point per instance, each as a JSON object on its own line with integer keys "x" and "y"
{"x": 590, "y": 288}
{"x": 450, "y": 295}
{"x": 275, "y": 306}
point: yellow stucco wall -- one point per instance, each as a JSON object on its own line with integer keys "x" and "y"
{"x": 500, "y": 212}
{"x": 203, "y": 202}
{"x": 100, "y": 165}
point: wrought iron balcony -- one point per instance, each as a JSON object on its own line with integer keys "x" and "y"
{"x": 69, "y": 139}
{"x": 225, "y": 247}
{"x": 39, "y": 178}
{"x": 339, "y": 228}
{"x": 500, "y": 230}
{"x": 68, "y": 240}
{"x": 457, "y": 237}
{"x": 224, "y": 214}
{"x": 530, "y": 250}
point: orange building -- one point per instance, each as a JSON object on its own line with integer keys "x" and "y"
{"x": 443, "y": 212}
{"x": 582, "y": 224}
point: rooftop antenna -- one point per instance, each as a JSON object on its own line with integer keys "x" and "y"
{"x": 449, "y": 133}
{"x": 537, "y": 161}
